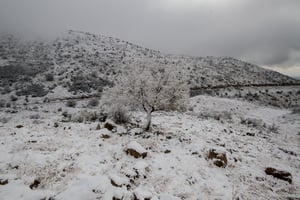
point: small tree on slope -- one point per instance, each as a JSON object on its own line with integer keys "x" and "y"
{"x": 150, "y": 89}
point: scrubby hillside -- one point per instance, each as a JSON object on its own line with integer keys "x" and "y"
{"x": 85, "y": 63}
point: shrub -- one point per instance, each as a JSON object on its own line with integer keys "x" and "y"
{"x": 252, "y": 122}
{"x": 66, "y": 114}
{"x": 119, "y": 115}
{"x": 35, "y": 90}
{"x": 84, "y": 116}
{"x": 296, "y": 110}
{"x": 49, "y": 77}
{"x": 13, "y": 98}
{"x": 4, "y": 120}
{"x": 2, "y": 103}
{"x": 35, "y": 116}
{"x": 78, "y": 119}
{"x": 224, "y": 115}
{"x": 93, "y": 103}
{"x": 71, "y": 103}
{"x": 273, "y": 128}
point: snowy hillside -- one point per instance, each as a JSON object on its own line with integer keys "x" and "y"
{"x": 45, "y": 157}
{"x": 85, "y": 63}
{"x": 58, "y": 140}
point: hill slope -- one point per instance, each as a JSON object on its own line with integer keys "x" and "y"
{"x": 84, "y": 62}
{"x": 74, "y": 160}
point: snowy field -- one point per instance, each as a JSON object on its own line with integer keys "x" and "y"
{"x": 46, "y": 158}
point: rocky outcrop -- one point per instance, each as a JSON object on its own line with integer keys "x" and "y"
{"x": 218, "y": 156}
{"x": 283, "y": 175}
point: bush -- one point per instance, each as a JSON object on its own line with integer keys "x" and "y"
{"x": 93, "y": 103}
{"x": 49, "y": 77}
{"x": 35, "y": 116}
{"x": 13, "y": 98}
{"x": 66, "y": 116}
{"x": 224, "y": 115}
{"x": 85, "y": 116}
{"x": 4, "y": 120}
{"x": 119, "y": 115}
{"x": 252, "y": 122}
{"x": 296, "y": 110}
{"x": 273, "y": 128}
{"x": 35, "y": 90}
{"x": 2, "y": 103}
{"x": 78, "y": 119}
{"x": 71, "y": 103}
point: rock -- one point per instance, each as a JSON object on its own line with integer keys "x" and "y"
{"x": 56, "y": 125}
{"x": 121, "y": 130}
{"x": 167, "y": 197}
{"x": 250, "y": 134}
{"x": 35, "y": 184}
{"x": 136, "y": 150}
{"x": 3, "y": 182}
{"x": 167, "y": 151}
{"x": 48, "y": 198}
{"x": 105, "y": 133}
{"x": 19, "y": 126}
{"x": 218, "y": 156}
{"x": 12, "y": 166}
{"x": 98, "y": 127}
{"x": 169, "y": 137}
{"x": 136, "y": 131}
{"x": 140, "y": 194}
{"x": 109, "y": 125}
{"x": 102, "y": 117}
{"x": 289, "y": 152}
{"x": 118, "y": 181}
{"x": 141, "y": 168}
{"x": 283, "y": 175}
{"x": 105, "y": 136}
{"x": 293, "y": 198}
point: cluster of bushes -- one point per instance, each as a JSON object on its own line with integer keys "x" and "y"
{"x": 220, "y": 116}
{"x": 259, "y": 124}
{"x": 296, "y": 110}
{"x": 35, "y": 90}
{"x": 119, "y": 115}
{"x": 83, "y": 116}
{"x": 49, "y": 77}
{"x": 82, "y": 83}
{"x": 93, "y": 103}
{"x": 252, "y": 122}
{"x": 71, "y": 103}
{"x": 4, "y": 119}
{"x": 2, "y": 103}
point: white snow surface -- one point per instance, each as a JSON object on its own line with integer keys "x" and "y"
{"x": 104, "y": 131}
{"x": 72, "y": 161}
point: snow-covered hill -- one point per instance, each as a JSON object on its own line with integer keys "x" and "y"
{"x": 44, "y": 157}
{"x": 85, "y": 63}
{"x": 56, "y": 145}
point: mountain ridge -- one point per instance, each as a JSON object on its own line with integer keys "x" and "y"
{"x": 85, "y": 63}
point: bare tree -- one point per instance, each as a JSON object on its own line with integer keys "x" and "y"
{"x": 150, "y": 88}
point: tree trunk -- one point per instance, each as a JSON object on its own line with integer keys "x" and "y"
{"x": 148, "y": 122}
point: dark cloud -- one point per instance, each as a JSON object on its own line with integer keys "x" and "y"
{"x": 263, "y": 32}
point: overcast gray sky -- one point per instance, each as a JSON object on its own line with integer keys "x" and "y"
{"x": 264, "y": 32}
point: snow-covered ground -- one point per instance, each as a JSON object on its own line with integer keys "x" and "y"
{"x": 50, "y": 159}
